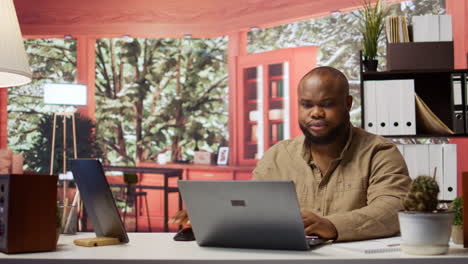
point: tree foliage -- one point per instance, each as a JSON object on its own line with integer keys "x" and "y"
{"x": 51, "y": 60}
{"x": 159, "y": 95}
{"x": 39, "y": 155}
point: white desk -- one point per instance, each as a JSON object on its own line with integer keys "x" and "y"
{"x": 160, "y": 248}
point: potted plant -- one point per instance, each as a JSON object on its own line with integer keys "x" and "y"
{"x": 457, "y": 227}
{"x": 371, "y": 27}
{"x": 425, "y": 230}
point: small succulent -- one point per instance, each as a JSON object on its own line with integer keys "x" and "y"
{"x": 422, "y": 195}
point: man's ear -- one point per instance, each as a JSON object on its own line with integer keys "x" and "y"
{"x": 349, "y": 102}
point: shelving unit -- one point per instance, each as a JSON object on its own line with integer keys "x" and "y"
{"x": 435, "y": 88}
{"x": 267, "y": 98}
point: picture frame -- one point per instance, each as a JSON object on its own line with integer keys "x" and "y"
{"x": 223, "y": 155}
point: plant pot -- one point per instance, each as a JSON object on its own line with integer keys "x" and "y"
{"x": 370, "y": 65}
{"x": 457, "y": 234}
{"x": 425, "y": 233}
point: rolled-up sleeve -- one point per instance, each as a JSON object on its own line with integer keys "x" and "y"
{"x": 388, "y": 183}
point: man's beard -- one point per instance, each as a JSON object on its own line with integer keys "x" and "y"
{"x": 328, "y": 138}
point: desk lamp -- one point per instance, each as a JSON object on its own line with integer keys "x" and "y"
{"x": 14, "y": 67}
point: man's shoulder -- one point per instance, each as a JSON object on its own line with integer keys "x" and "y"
{"x": 280, "y": 160}
{"x": 364, "y": 138}
{"x": 291, "y": 146}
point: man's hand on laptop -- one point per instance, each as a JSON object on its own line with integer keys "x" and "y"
{"x": 180, "y": 218}
{"x": 316, "y": 225}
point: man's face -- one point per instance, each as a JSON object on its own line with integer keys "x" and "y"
{"x": 323, "y": 109}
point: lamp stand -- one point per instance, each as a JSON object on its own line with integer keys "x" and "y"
{"x": 64, "y": 116}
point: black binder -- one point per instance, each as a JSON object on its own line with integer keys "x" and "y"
{"x": 459, "y": 103}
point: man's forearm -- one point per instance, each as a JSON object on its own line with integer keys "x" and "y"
{"x": 378, "y": 219}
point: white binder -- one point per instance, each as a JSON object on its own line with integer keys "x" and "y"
{"x": 394, "y": 96}
{"x": 401, "y": 148}
{"x": 432, "y": 29}
{"x": 436, "y": 161}
{"x": 408, "y": 112}
{"x": 445, "y": 28}
{"x": 382, "y": 106}
{"x": 450, "y": 172}
{"x": 425, "y": 28}
{"x": 418, "y": 28}
{"x": 422, "y": 159}
{"x": 370, "y": 110}
{"x": 417, "y": 159}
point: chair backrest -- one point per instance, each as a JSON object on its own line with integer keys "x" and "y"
{"x": 130, "y": 178}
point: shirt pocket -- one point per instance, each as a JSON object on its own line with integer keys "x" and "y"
{"x": 349, "y": 195}
{"x": 352, "y": 184}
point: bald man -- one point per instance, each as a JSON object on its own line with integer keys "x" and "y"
{"x": 349, "y": 182}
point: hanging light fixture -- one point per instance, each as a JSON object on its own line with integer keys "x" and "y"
{"x": 14, "y": 67}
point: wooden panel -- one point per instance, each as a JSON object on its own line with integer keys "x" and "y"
{"x": 187, "y": 167}
{"x": 459, "y": 11}
{"x": 160, "y": 18}
{"x": 210, "y": 175}
{"x": 465, "y": 208}
{"x": 243, "y": 176}
{"x": 85, "y": 56}
{"x": 3, "y": 118}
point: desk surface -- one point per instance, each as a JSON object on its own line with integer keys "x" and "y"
{"x": 160, "y": 248}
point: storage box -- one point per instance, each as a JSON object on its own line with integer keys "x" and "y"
{"x": 420, "y": 56}
{"x": 28, "y": 213}
{"x": 203, "y": 157}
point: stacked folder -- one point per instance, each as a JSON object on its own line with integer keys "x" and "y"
{"x": 397, "y": 29}
{"x": 392, "y": 108}
{"x": 432, "y": 28}
{"x": 389, "y": 107}
{"x": 425, "y": 159}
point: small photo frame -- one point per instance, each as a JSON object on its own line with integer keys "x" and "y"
{"x": 223, "y": 155}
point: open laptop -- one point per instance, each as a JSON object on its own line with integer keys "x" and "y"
{"x": 97, "y": 198}
{"x": 246, "y": 214}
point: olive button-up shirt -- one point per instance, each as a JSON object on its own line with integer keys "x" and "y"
{"x": 361, "y": 191}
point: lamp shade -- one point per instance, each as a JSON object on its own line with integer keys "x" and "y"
{"x": 14, "y": 67}
{"x": 65, "y": 93}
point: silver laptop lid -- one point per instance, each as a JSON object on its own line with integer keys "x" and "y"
{"x": 245, "y": 214}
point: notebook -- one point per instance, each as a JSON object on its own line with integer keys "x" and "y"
{"x": 373, "y": 246}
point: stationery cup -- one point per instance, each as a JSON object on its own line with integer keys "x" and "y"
{"x": 68, "y": 219}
